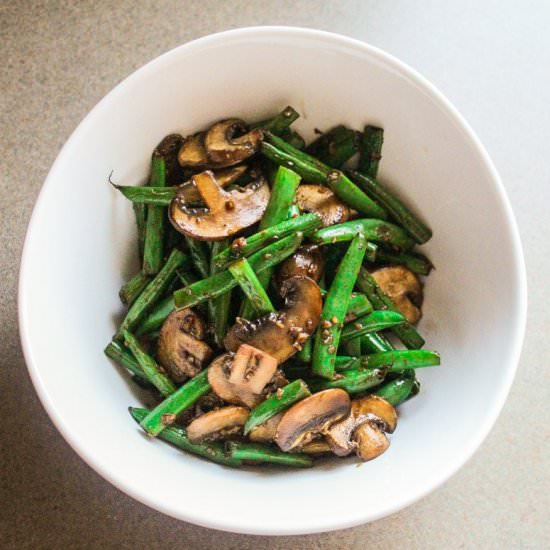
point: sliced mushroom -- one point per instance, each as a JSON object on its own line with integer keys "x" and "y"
{"x": 224, "y": 177}
{"x": 310, "y": 417}
{"x": 403, "y": 287}
{"x": 340, "y": 436}
{"x": 219, "y": 424}
{"x": 224, "y": 148}
{"x": 181, "y": 350}
{"x": 265, "y": 433}
{"x": 241, "y": 378}
{"x": 370, "y": 441}
{"x": 282, "y": 334}
{"x": 308, "y": 261}
{"x": 168, "y": 149}
{"x": 205, "y": 404}
{"x": 320, "y": 199}
{"x": 316, "y": 447}
{"x": 226, "y": 212}
{"x": 192, "y": 152}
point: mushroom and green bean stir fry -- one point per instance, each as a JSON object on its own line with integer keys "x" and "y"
{"x": 273, "y": 318}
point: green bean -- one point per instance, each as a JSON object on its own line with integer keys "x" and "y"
{"x": 335, "y": 147}
{"x": 353, "y": 347}
{"x": 281, "y": 400}
{"x": 176, "y": 435}
{"x": 293, "y": 138}
{"x": 391, "y": 361}
{"x": 396, "y": 209}
{"x": 370, "y": 150}
{"x": 375, "y": 342}
{"x": 314, "y": 171}
{"x": 373, "y": 322}
{"x": 378, "y": 231}
{"x": 417, "y": 263}
{"x": 244, "y": 247}
{"x": 256, "y": 452}
{"x": 217, "y": 284}
{"x": 149, "y": 366}
{"x": 178, "y": 401}
{"x": 351, "y": 380}
{"x": 199, "y": 252}
{"x": 359, "y": 305}
{"x": 280, "y": 123}
{"x": 306, "y": 353}
{"x": 372, "y": 250}
{"x": 156, "y": 196}
{"x": 153, "y": 250}
{"x": 396, "y": 391}
{"x": 219, "y": 307}
{"x": 152, "y": 292}
{"x": 157, "y": 316}
{"x": 415, "y": 390}
{"x": 336, "y": 305}
{"x": 123, "y": 357}
{"x": 405, "y": 332}
{"x": 293, "y": 211}
{"x": 140, "y": 213}
{"x": 251, "y": 286}
{"x": 187, "y": 277}
{"x": 129, "y": 292}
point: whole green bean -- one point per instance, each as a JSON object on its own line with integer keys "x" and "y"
{"x": 153, "y": 250}
{"x": 256, "y": 452}
{"x": 278, "y": 402}
{"x": 306, "y": 169}
{"x": 156, "y": 196}
{"x": 177, "y": 435}
{"x": 374, "y": 342}
{"x": 152, "y": 292}
{"x": 373, "y": 322}
{"x": 217, "y": 284}
{"x": 140, "y": 213}
{"x": 251, "y": 286}
{"x": 306, "y": 353}
{"x": 157, "y": 316}
{"x": 358, "y": 306}
{"x": 370, "y": 150}
{"x": 417, "y": 263}
{"x": 391, "y": 361}
{"x": 149, "y": 366}
{"x": 405, "y": 332}
{"x": 396, "y": 209}
{"x": 219, "y": 307}
{"x": 123, "y": 357}
{"x": 378, "y": 231}
{"x": 335, "y": 307}
{"x": 351, "y": 380}
{"x": 245, "y": 246}
{"x": 396, "y": 391}
{"x": 280, "y": 123}
{"x": 199, "y": 252}
{"x": 335, "y": 147}
{"x": 132, "y": 289}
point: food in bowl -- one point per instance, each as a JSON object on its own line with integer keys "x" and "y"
{"x": 275, "y": 298}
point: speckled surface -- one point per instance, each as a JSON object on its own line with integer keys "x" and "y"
{"x": 491, "y": 59}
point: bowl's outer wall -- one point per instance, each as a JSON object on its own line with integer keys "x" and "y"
{"x": 81, "y": 247}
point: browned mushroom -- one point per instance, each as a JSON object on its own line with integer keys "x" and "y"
{"x": 320, "y": 199}
{"x": 370, "y": 441}
{"x": 310, "y": 417}
{"x": 226, "y": 213}
{"x": 283, "y": 333}
{"x": 374, "y": 409}
{"x": 224, "y": 148}
{"x": 224, "y": 177}
{"x": 219, "y": 424}
{"x": 266, "y": 432}
{"x": 204, "y": 404}
{"x": 181, "y": 350}
{"x": 316, "y": 447}
{"x": 192, "y": 152}
{"x": 168, "y": 149}
{"x": 241, "y": 378}
{"x": 308, "y": 261}
{"x": 403, "y": 287}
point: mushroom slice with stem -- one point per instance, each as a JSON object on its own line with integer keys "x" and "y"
{"x": 282, "y": 334}
{"x": 320, "y": 199}
{"x": 403, "y": 287}
{"x": 265, "y": 433}
{"x": 224, "y": 148}
{"x": 181, "y": 350}
{"x": 308, "y": 261}
{"x": 224, "y": 177}
{"x": 241, "y": 378}
{"x": 370, "y": 441}
{"x": 219, "y": 424}
{"x": 310, "y": 417}
{"x": 225, "y": 214}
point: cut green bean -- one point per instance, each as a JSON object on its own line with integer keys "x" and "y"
{"x": 377, "y": 231}
{"x": 280, "y": 123}
{"x": 244, "y": 247}
{"x": 293, "y": 138}
{"x": 155, "y": 196}
{"x": 140, "y": 213}
{"x": 123, "y": 357}
{"x": 353, "y": 347}
{"x": 335, "y": 307}
{"x": 218, "y": 308}
{"x": 152, "y": 292}
{"x": 219, "y": 283}
{"x": 374, "y": 342}
{"x": 157, "y": 316}
{"x": 251, "y": 286}
{"x": 177, "y": 435}
{"x": 358, "y": 306}
{"x": 391, "y": 361}
{"x": 417, "y": 263}
{"x": 199, "y": 252}
{"x": 153, "y": 250}
{"x": 405, "y": 332}
{"x": 351, "y": 380}
{"x": 132, "y": 289}
{"x": 335, "y": 147}
{"x": 281, "y": 400}
{"x": 266, "y": 454}
{"x": 371, "y": 251}
{"x": 314, "y": 171}
{"x": 396, "y": 391}
{"x": 396, "y": 209}
{"x": 185, "y": 396}
{"x": 373, "y": 322}
{"x": 370, "y": 150}
{"x": 149, "y": 366}
{"x": 306, "y": 353}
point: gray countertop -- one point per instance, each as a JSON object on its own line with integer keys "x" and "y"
{"x": 491, "y": 59}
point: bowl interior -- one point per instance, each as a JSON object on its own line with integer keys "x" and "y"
{"x": 81, "y": 248}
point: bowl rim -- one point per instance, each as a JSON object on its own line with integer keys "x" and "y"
{"x": 517, "y": 252}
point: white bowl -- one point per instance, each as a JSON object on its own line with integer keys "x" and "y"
{"x": 80, "y": 248}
